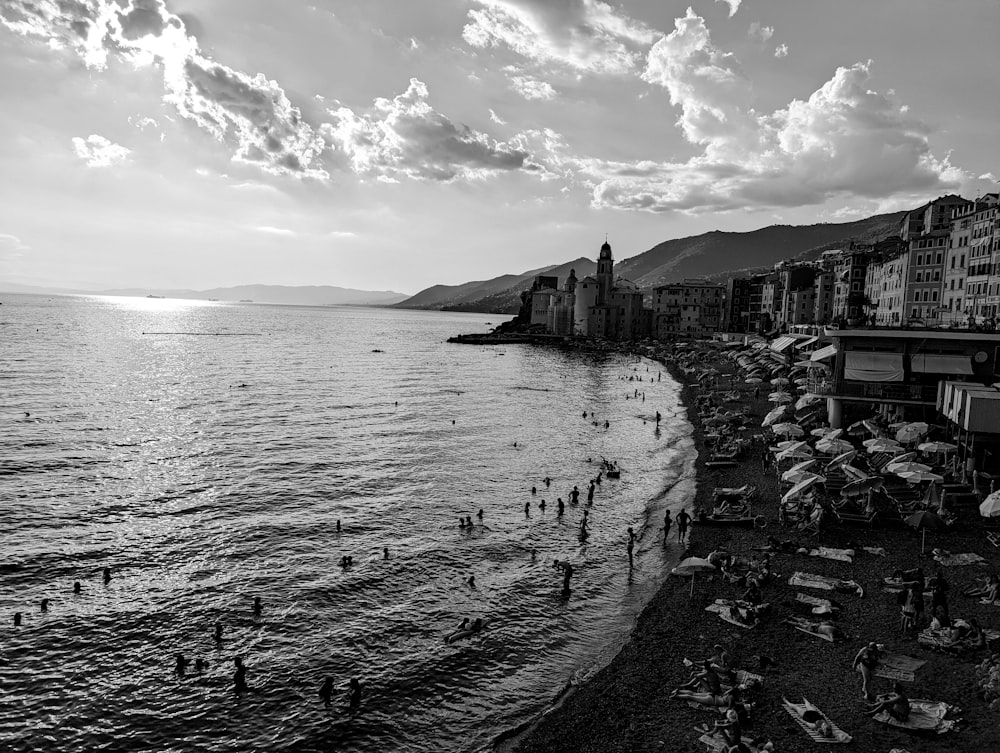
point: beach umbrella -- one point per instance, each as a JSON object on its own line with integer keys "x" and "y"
{"x": 833, "y": 446}
{"x": 881, "y": 445}
{"x": 911, "y": 432}
{"x": 788, "y": 429}
{"x": 807, "y": 399}
{"x": 802, "y": 382}
{"x": 753, "y": 380}
{"x": 780, "y": 381}
{"x": 937, "y": 447}
{"x": 793, "y": 453}
{"x": 924, "y": 520}
{"x": 932, "y": 499}
{"x": 904, "y": 457}
{"x": 805, "y": 465}
{"x": 857, "y": 428}
{"x": 990, "y": 507}
{"x": 822, "y": 431}
{"x": 862, "y": 486}
{"x": 841, "y": 459}
{"x": 803, "y": 364}
{"x": 692, "y": 566}
{"x": 797, "y": 477}
{"x": 773, "y": 416}
{"x": 779, "y": 397}
{"x": 906, "y": 466}
{"x": 801, "y": 487}
{"x": 916, "y": 476}
{"x": 854, "y": 474}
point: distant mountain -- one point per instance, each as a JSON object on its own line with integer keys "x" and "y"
{"x": 717, "y": 255}
{"x": 296, "y": 295}
{"x": 500, "y": 295}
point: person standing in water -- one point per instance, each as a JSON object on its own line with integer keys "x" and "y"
{"x": 326, "y": 691}
{"x": 575, "y": 495}
{"x": 590, "y": 492}
{"x": 354, "y": 693}
{"x": 257, "y": 608}
{"x": 682, "y": 524}
{"x": 562, "y": 507}
{"x": 630, "y": 546}
{"x": 239, "y": 676}
{"x": 567, "y": 575}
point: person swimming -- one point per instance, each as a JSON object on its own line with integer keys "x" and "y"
{"x": 17, "y": 619}
{"x": 180, "y": 667}
{"x": 77, "y": 588}
{"x": 107, "y": 575}
{"x": 326, "y": 691}
{"x": 200, "y": 665}
{"x": 385, "y": 552}
{"x": 480, "y": 513}
{"x": 541, "y": 505}
{"x": 527, "y": 508}
{"x": 218, "y": 632}
{"x": 468, "y": 521}
{"x": 354, "y": 693}
{"x": 534, "y": 490}
{"x": 338, "y": 525}
{"x": 239, "y": 676}
{"x": 472, "y": 581}
{"x": 44, "y": 605}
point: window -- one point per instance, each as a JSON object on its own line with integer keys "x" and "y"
{"x": 953, "y": 262}
{"x": 920, "y": 277}
{"x": 934, "y": 296}
{"x": 937, "y": 275}
{"x": 962, "y": 262}
{"x": 937, "y": 259}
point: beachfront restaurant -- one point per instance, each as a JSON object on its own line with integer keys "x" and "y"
{"x": 971, "y": 412}
{"x": 897, "y": 372}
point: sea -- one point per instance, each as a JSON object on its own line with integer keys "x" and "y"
{"x": 209, "y": 453}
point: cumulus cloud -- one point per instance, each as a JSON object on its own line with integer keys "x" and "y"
{"x": 734, "y": 5}
{"x": 532, "y": 88}
{"x": 781, "y": 50}
{"x": 844, "y": 140}
{"x": 584, "y": 35}
{"x": 406, "y": 137}
{"x": 990, "y": 177}
{"x": 496, "y": 118}
{"x": 97, "y": 151}
{"x": 760, "y": 32}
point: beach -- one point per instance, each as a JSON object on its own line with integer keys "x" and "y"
{"x": 627, "y": 705}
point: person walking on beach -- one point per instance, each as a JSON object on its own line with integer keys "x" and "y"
{"x": 667, "y": 522}
{"x": 865, "y": 662}
{"x": 682, "y": 525}
{"x": 630, "y": 546}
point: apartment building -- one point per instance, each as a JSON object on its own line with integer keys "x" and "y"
{"x": 691, "y": 308}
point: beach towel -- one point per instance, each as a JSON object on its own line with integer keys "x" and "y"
{"x": 876, "y": 550}
{"x": 819, "y": 606}
{"x": 811, "y": 580}
{"x": 942, "y": 639}
{"x": 715, "y": 744}
{"x": 723, "y": 610}
{"x": 806, "y": 626}
{"x": 841, "y": 555}
{"x": 965, "y": 558}
{"x": 899, "y": 667}
{"x": 808, "y": 717}
{"x": 925, "y": 716}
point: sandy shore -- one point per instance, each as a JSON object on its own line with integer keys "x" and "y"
{"x": 626, "y": 706}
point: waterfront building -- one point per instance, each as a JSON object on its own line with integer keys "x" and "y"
{"x": 609, "y": 308}
{"x": 956, "y": 268}
{"x": 982, "y": 285}
{"x": 737, "y": 305}
{"x": 688, "y": 308}
{"x": 849, "y": 270}
{"x": 897, "y": 371}
{"x": 925, "y": 273}
{"x": 562, "y": 308}
{"x": 796, "y": 296}
{"x": 823, "y": 295}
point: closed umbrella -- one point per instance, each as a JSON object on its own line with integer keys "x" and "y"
{"x": 871, "y": 426}
{"x": 990, "y": 507}
{"x": 692, "y": 566}
{"x": 923, "y": 520}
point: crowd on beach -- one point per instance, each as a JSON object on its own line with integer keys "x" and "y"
{"x": 811, "y": 563}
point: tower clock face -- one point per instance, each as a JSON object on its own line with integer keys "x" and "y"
{"x": 981, "y": 356}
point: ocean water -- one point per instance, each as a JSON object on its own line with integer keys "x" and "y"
{"x": 206, "y": 451}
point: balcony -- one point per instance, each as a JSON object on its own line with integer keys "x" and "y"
{"x": 887, "y": 391}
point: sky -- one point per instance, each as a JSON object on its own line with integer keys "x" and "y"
{"x": 397, "y": 144}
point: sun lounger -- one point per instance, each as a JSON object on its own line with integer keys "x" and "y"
{"x": 925, "y": 716}
{"x": 810, "y": 580}
{"x": 993, "y": 538}
{"x": 899, "y": 667}
{"x": 809, "y": 718}
{"x": 841, "y": 555}
{"x": 965, "y": 558}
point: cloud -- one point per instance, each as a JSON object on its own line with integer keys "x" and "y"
{"x": 734, "y": 5}
{"x": 496, "y": 118}
{"x": 97, "y": 151}
{"x": 272, "y": 230}
{"x": 781, "y": 50}
{"x": 532, "y": 88}
{"x": 584, "y": 35}
{"x": 990, "y": 177}
{"x": 844, "y": 140}
{"x": 759, "y": 32}
{"x": 406, "y": 137}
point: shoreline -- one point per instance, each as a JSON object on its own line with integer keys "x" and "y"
{"x": 626, "y": 706}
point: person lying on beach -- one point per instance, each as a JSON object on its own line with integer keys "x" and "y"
{"x": 823, "y": 627}
{"x": 720, "y": 660}
{"x": 909, "y": 576}
{"x": 706, "y": 680}
{"x": 968, "y": 634}
{"x": 896, "y": 704}
{"x": 989, "y": 591}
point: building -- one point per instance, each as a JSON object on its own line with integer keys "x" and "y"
{"x": 955, "y": 267}
{"x": 982, "y": 285}
{"x": 690, "y": 308}
{"x": 897, "y": 372}
{"x": 925, "y": 277}
{"x": 797, "y": 296}
{"x": 609, "y": 308}
{"x": 849, "y": 270}
{"x": 823, "y": 296}
{"x": 737, "y": 306}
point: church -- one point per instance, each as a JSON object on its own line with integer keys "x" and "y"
{"x": 596, "y": 306}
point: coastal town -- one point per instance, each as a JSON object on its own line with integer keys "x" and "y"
{"x": 840, "y": 582}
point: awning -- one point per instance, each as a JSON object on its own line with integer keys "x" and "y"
{"x": 925, "y": 363}
{"x": 782, "y": 343}
{"x": 823, "y": 353}
{"x": 807, "y": 342}
{"x": 865, "y": 366}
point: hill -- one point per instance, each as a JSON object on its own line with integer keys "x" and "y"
{"x": 717, "y": 255}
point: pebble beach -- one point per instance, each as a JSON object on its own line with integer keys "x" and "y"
{"x": 627, "y": 705}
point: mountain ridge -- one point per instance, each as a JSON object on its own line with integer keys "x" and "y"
{"x": 716, "y": 255}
